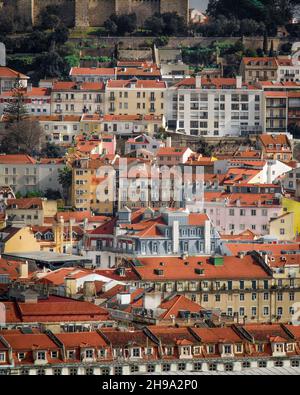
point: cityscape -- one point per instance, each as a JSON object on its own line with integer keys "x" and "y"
{"x": 149, "y": 188}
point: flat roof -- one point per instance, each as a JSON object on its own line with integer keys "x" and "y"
{"x": 46, "y": 257}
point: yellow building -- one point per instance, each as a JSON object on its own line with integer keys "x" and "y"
{"x": 293, "y": 206}
{"x": 135, "y": 97}
{"x": 282, "y": 227}
{"x": 88, "y": 184}
{"x": 17, "y": 240}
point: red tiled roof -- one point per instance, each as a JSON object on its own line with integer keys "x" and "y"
{"x": 92, "y": 71}
{"x": 139, "y": 84}
{"x": 176, "y": 304}
{"x": 6, "y": 72}
{"x": 173, "y": 268}
{"x": 17, "y": 159}
{"x": 26, "y": 203}
{"x": 75, "y": 86}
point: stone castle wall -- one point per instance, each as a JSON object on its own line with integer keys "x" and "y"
{"x": 95, "y": 12}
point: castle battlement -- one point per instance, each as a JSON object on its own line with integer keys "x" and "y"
{"x": 83, "y": 13}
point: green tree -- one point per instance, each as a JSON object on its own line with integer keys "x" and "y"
{"x": 52, "y": 151}
{"x": 121, "y": 24}
{"x": 51, "y": 65}
{"x": 22, "y": 137}
{"x": 65, "y": 179}
{"x": 16, "y": 110}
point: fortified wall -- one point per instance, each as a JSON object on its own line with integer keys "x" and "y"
{"x": 83, "y": 13}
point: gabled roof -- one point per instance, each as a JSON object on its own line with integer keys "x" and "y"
{"x": 176, "y": 304}
{"x": 195, "y": 268}
{"x": 86, "y": 71}
{"x": 18, "y": 159}
{"x": 25, "y": 204}
{"x": 6, "y": 72}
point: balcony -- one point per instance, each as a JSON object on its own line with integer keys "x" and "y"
{"x": 58, "y": 111}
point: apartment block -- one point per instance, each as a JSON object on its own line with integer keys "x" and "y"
{"x": 217, "y": 107}
{"x": 135, "y": 97}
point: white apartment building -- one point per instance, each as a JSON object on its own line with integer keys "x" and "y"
{"x": 215, "y": 107}
{"x": 24, "y": 174}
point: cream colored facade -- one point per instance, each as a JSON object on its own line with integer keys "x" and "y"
{"x": 70, "y": 99}
{"x": 35, "y": 215}
{"x": 282, "y": 228}
{"x": 135, "y": 98}
{"x": 256, "y": 301}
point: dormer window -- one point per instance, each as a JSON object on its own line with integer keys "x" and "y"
{"x": 168, "y": 351}
{"x": 54, "y": 354}
{"x": 136, "y": 352}
{"x": 89, "y": 354}
{"x": 21, "y": 356}
{"x": 227, "y": 349}
{"x": 211, "y": 349}
{"x": 239, "y": 348}
{"x": 148, "y": 351}
{"x": 102, "y": 353}
{"x": 41, "y": 356}
{"x": 71, "y": 354}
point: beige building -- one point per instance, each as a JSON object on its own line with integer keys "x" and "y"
{"x": 135, "y": 97}
{"x": 259, "y": 69}
{"x": 246, "y": 288}
{"x": 282, "y": 227}
{"x": 31, "y": 211}
{"x": 75, "y": 98}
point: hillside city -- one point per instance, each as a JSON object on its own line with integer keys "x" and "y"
{"x": 150, "y": 189}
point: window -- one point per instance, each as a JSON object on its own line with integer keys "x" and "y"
{"x": 41, "y": 372}
{"x": 41, "y": 356}
{"x": 295, "y": 363}
{"x": 197, "y": 366}
{"x": 228, "y": 367}
{"x": 136, "y": 352}
{"x": 212, "y": 367}
{"x": 57, "y": 372}
{"x": 105, "y": 371}
{"x": 242, "y": 297}
{"x": 151, "y": 368}
{"x": 262, "y": 364}
{"x": 181, "y": 367}
{"x": 89, "y": 354}
{"x": 118, "y": 370}
{"x": 3, "y": 357}
{"x": 166, "y": 367}
{"x": 246, "y": 365}
{"x": 278, "y": 364}
{"x": 227, "y": 349}
{"x": 134, "y": 369}
{"x": 73, "y": 371}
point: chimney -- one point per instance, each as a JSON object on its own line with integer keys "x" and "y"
{"x": 239, "y": 82}
{"x": 70, "y": 286}
{"x": 124, "y": 298}
{"x": 24, "y": 270}
{"x": 152, "y": 300}
{"x": 207, "y": 240}
{"x": 89, "y": 289}
{"x": 198, "y": 82}
{"x": 169, "y": 142}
